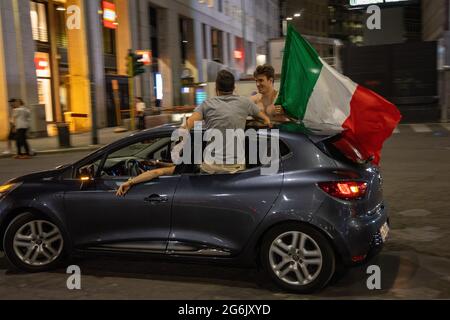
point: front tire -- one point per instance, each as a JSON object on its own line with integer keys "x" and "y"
{"x": 297, "y": 258}
{"x": 34, "y": 244}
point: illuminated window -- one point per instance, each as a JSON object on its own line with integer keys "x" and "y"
{"x": 39, "y": 21}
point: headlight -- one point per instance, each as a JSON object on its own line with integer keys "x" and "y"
{"x": 6, "y": 188}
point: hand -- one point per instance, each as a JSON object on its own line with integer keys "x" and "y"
{"x": 279, "y": 110}
{"x": 123, "y": 189}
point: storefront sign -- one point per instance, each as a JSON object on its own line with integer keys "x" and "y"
{"x": 238, "y": 54}
{"x": 147, "y": 56}
{"x": 42, "y": 64}
{"x": 109, "y": 15}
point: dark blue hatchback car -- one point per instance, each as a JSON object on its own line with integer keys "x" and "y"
{"x": 319, "y": 211}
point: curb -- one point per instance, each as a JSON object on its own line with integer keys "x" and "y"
{"x": 58, "y": 151}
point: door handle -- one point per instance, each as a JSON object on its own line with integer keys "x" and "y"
{"x": 156, "y": 198}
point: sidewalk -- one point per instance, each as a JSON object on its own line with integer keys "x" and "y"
{"x": 79, "y": 142}
{"x": 83, "y": 141}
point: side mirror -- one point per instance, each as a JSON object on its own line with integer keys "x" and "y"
{"x": 86, "y": 181}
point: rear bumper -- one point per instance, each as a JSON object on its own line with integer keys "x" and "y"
{"x": 355, "y": 236}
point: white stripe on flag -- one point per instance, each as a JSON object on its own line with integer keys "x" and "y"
{"x": 420, "y": 128}
{"x": 330, "y": 100}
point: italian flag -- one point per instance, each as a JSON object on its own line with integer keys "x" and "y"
{"x": 314, "y": 92}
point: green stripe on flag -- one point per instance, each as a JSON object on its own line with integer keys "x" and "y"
{"x": 300, "y": 72}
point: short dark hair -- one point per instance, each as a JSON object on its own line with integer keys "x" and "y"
{"x": 265, "y": 70}
{"x": 225, "y": 82}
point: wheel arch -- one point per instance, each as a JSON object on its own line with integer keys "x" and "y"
{"x": 13, "y": 214}
{"x": 258, "y": 243}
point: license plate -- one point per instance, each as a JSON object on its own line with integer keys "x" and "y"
{"x": 384, "y": 231}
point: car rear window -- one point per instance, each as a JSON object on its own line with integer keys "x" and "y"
{"x": 340, "y": 149}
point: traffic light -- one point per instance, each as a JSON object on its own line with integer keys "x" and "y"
{"x": 135, "y": 65}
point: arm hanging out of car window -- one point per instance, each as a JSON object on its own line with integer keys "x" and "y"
{"x": 145, "y": 177}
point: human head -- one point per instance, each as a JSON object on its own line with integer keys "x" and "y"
{"x": 264, "y": 77}
{"x": 14, "y": 103}
{"x": 139, "y": 99}
{"x": 225, "y": 83}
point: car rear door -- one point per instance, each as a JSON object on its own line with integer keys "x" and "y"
{"x": 217, "y": 214}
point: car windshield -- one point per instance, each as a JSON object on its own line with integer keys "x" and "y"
{"x": 135, "y": 150}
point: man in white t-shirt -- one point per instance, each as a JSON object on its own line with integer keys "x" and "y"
{"x": 140, "y": 113}
{"x": 21, "y": 116}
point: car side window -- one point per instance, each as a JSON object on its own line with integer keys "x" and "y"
{"x": 136, "y": 158}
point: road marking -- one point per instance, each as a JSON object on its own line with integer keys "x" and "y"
{"x": 420, "y": 128}
{"x": 397, "y": 130}
{"x": 446, "y": 126}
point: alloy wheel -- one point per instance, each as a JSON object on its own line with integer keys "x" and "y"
{"x": 38, "y": 243}
{"x": 295, "y": 258}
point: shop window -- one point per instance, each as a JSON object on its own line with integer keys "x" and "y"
{"x": 109, "y": 41}
{"x": 39, "y": 21}
{"x": 217, "y": 44}
{"x": 60, "y": 27}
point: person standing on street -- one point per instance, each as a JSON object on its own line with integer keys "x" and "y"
{"x": 21, "y": 117}
{"x": 140, "y": 112}
{"x": 12, "y": 129}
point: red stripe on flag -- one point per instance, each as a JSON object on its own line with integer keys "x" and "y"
{"x": 372, "y": 121}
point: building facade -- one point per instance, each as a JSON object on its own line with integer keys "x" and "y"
{"x": 67, "y": 58}
{"x": 345, "y": 24}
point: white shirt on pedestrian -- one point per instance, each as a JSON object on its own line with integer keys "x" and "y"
{"x": 140, "y": 107}
{"x": 22, "y": 117}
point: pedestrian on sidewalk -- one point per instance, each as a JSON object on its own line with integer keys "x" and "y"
{"x": 12, "y": 129}
{"x": 140, "y": 112}
{"x": 21, "y": 117}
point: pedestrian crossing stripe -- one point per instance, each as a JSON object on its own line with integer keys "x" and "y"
{"x": 446, "y": 126}
{"x": 420, "y": 128}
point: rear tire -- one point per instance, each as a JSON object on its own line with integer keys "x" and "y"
{"x": 34, "y": 244}
{"x": 297, "y": 258}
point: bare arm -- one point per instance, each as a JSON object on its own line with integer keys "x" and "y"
{"x": 192, "y": 120}
{"x": 145, "y": 177}
{"x": 263, "y": 116}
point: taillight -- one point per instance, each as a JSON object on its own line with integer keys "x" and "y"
{"x": 345, "y": 190}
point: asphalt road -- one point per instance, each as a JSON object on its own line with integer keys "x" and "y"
{"x": 415, "y": 263}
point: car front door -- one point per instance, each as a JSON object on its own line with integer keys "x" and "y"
{"x": 138, "y": 222}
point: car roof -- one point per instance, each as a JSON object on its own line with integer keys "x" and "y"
{"x": 314, "y": 132}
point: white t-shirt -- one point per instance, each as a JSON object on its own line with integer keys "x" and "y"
{"x": 22, "y": 117}
{"x": 140, "y": 107}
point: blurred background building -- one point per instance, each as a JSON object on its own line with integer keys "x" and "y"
{"x": 64, "y": 71}
{"x": 67, "y": 72}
